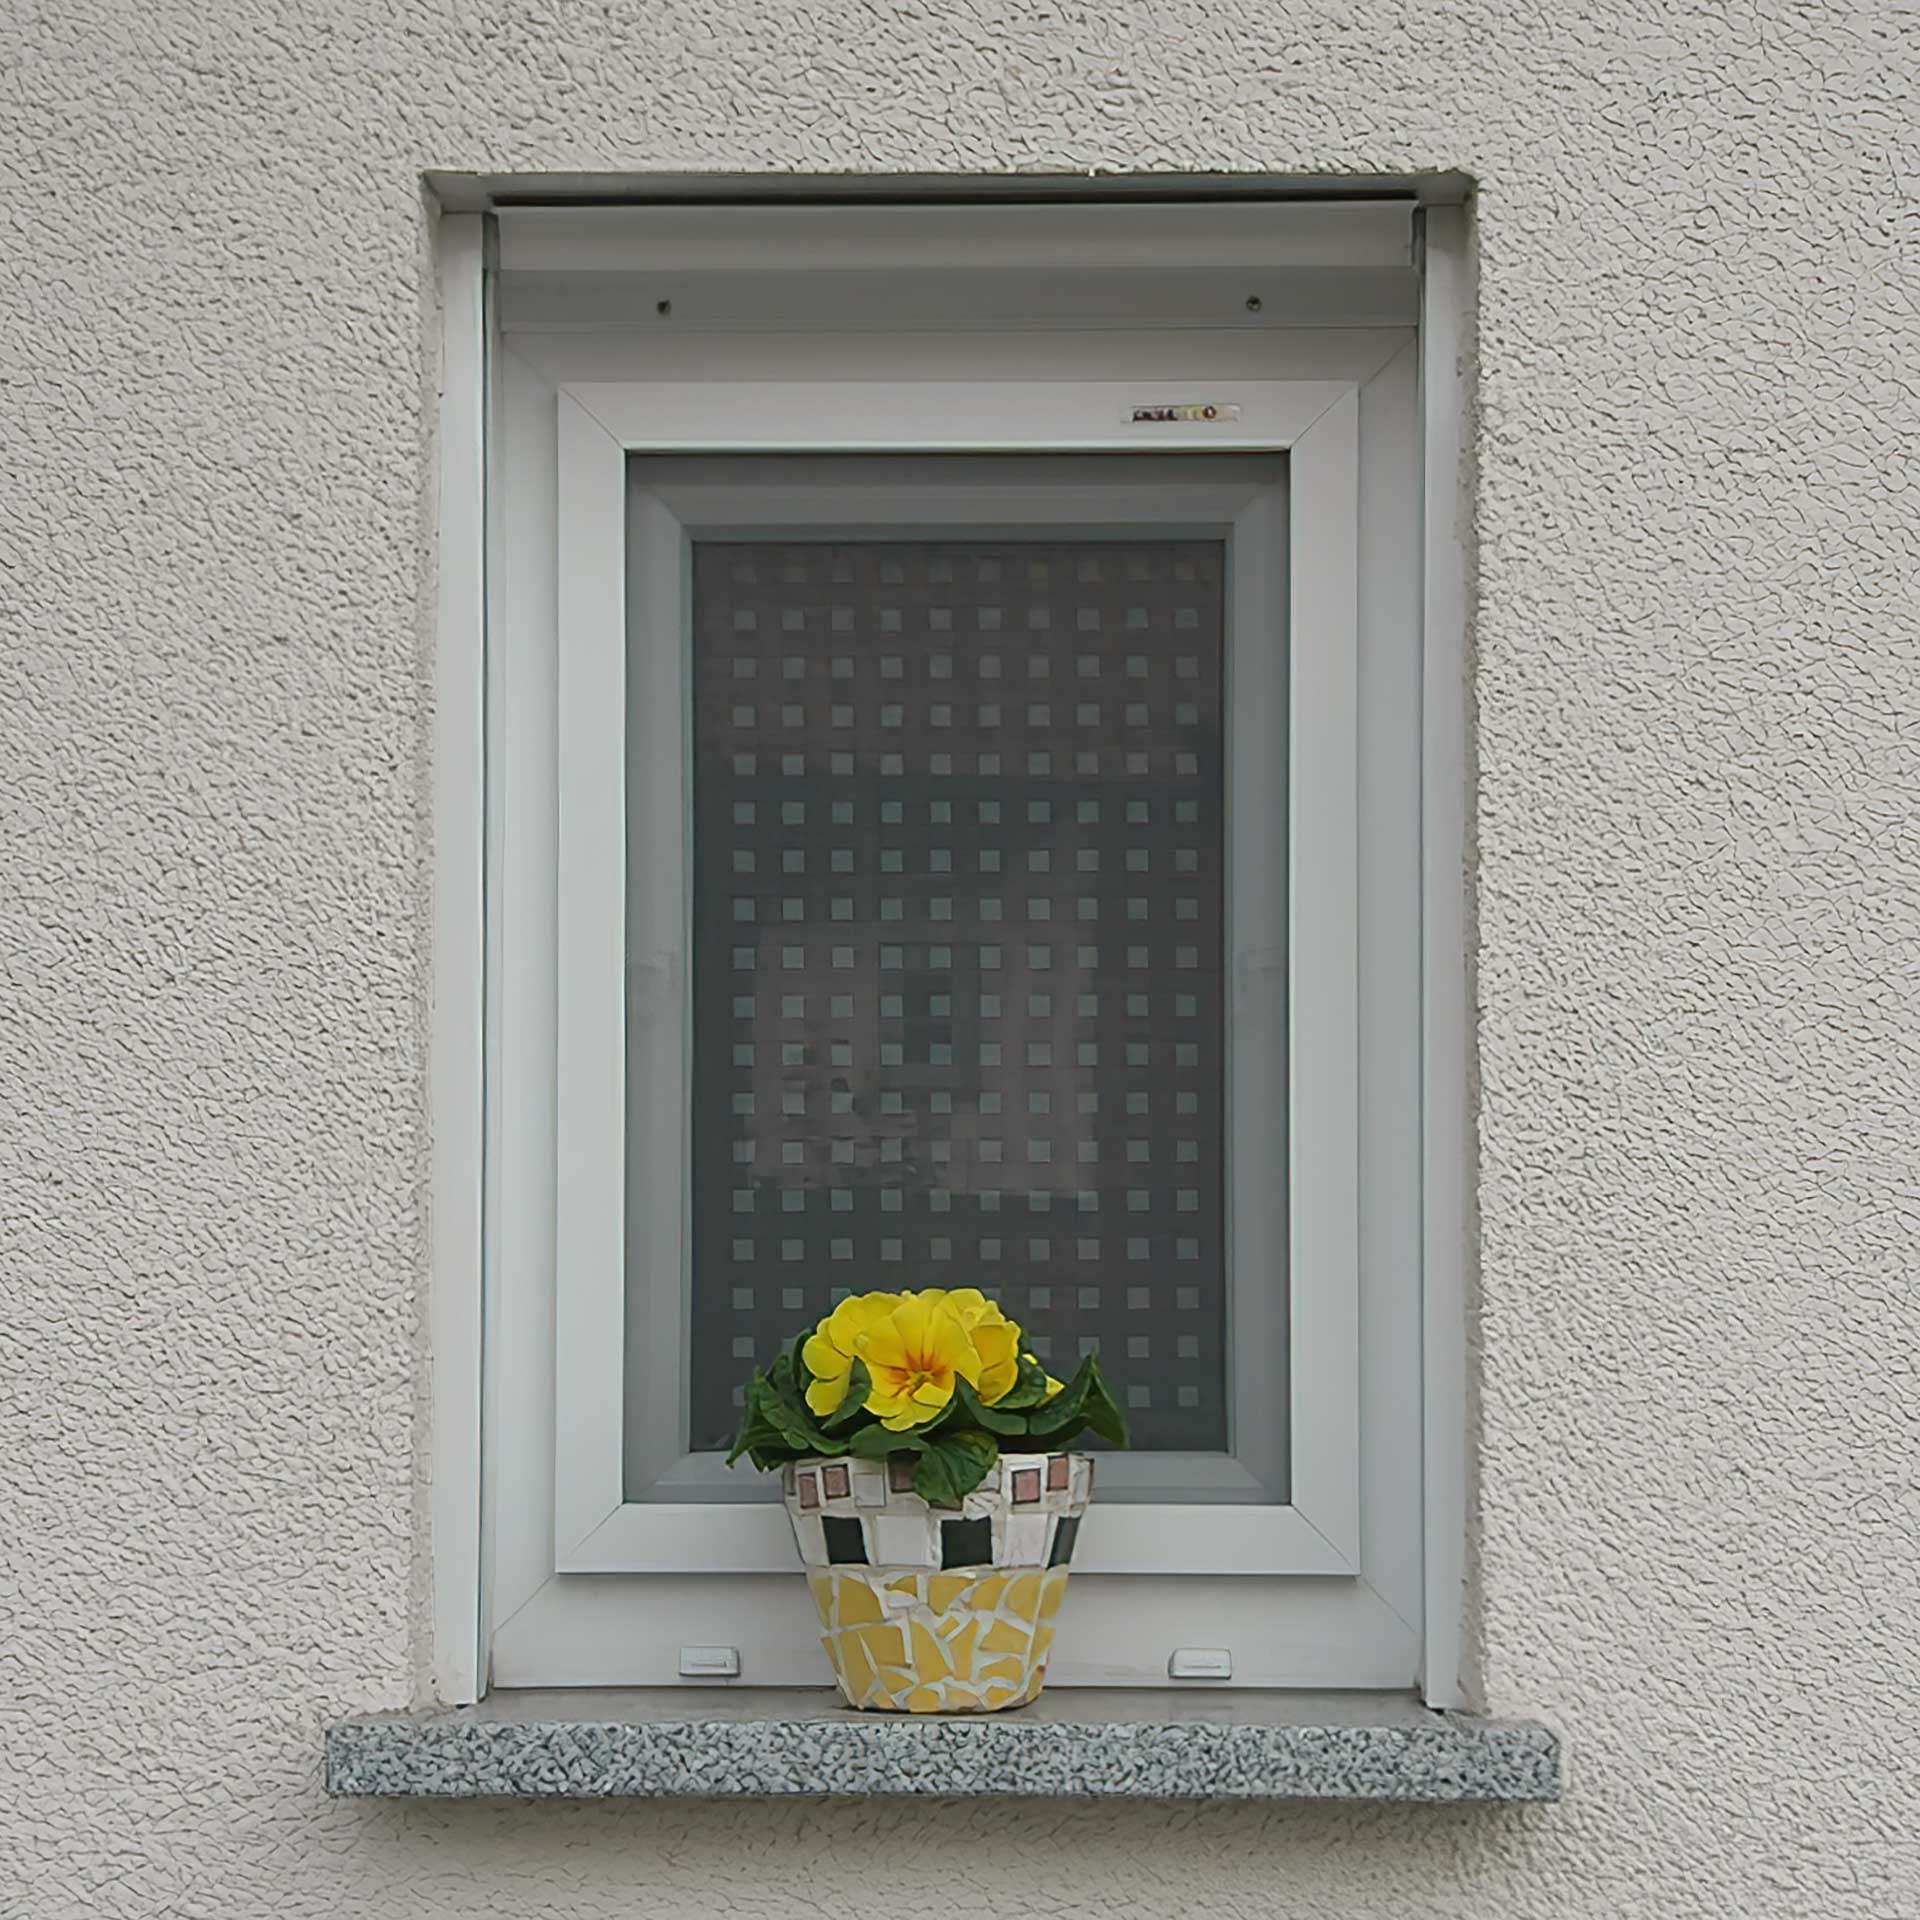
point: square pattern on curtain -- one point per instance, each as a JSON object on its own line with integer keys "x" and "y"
{"x": 958, "y": 951}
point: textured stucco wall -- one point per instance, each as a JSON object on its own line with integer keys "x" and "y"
{"x": 1699, "y": 687}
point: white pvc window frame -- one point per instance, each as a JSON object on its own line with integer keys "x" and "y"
{"x": 1316, "y": 424}
{"x": 481, "y": 1559}
{"x": 1311, "y": 1078}
{"x": 1236, "y": 500}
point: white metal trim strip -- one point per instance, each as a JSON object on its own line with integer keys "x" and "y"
{"x": 1323, "y": 1048}
{"x": 1447, "y": 1038}
{"x": 1162, "y": 238}
{"x": 590, "y": 1109}
{"x": 455, "y": 1060}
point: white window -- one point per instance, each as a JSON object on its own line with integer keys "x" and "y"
{"x": 954, "y": 806}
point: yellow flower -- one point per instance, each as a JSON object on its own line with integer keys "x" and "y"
{"x": 829, "y": 1351}
{"x": 913, "y": 1356}
{"x": 914, "y": 1346}
{"x": 995, "y": 1338}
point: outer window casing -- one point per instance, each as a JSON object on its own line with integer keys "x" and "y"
{"x": 1354, "y": 1620}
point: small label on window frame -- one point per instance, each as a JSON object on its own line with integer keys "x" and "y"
{"x": 1205, "y": 412}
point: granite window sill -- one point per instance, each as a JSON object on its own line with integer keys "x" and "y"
{"x": 705, "y": 1744}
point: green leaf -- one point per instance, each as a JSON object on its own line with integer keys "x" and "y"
{"x": 1085, "y": 1401}
{"x": 754, "y": 1425}
{"x": 966, "y": 1411}
{"x": 1103, "y": 1411}
{"x": 748, "y": 1412}
{"x": 859, "y": 1385}
{"x": 759, "y": 1437}
{"x": 774, "y": 1454}
{"x": 1028, "y": 1390}
{"x": 1066, "y": 1412}
{"x": 784, "y": 1409}
{"x": 875, "y": 1443}
{"x": 953, "y": 1465}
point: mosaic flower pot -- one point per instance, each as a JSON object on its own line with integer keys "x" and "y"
{"x": 928, "y": 1609}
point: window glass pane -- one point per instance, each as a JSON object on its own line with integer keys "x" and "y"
{"x": 958, "y": 936}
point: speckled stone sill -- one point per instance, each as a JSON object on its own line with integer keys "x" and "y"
{"x": 1070, "y": 1744}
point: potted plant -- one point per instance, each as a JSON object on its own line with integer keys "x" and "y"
{"x": 924, "y": 1454}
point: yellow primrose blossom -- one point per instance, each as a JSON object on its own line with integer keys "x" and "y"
{"x": 995, "y": 1339}
{"x": 931, "y": 1338}
{"x": 829, "y": 1351}
{"x": 913, "y": 1356}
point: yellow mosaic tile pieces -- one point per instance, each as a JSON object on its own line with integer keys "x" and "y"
{"x": 1007, "y": 1636}
{"x": 943, "y": 1589}
{"x": 988, "y": 1587}
{"x": 859, "y": 1604}
{"x": 937, "y": 1642}
{"x": 855, "y": 1664}
{"x": 958, "y": 1648}
{"x": 887, "y": 1645}
{"x": 930, "y": 1660}
{"x": 1023, "y": 1596}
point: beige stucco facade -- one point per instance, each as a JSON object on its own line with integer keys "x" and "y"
{"x": 1698, "y": 898}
